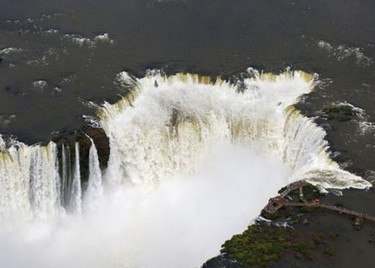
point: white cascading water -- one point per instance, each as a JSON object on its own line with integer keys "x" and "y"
{"x": 65, "y": 171}
{"x": 30, "y": 183}
{"x": 183, "y": 114}
{"x": 94, "y": 192}
{"x": 76, "y": 191}
{"x": 44, "y": 181}
{"x": 71, "y": 192}
{"x": 192, "y": 162}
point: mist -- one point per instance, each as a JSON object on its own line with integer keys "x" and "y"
{"x": 181, "y": 223}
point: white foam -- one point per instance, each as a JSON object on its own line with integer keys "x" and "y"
{"x": 52, "y": 31}
{"x": 345, "y": 52}
{"x": 366, "y": 127}
{"x": 80, "y": 40}
{"x": 6, "y": 119}
{"x": 40, "y": 83}
{"x": 10, "y": 50}
{"x": 103, "y": 38}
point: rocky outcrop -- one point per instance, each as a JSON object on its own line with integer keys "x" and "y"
{"x": 341, "y": 112}
{"x": 82, "y": 137}
{"x": 221, "y": 262}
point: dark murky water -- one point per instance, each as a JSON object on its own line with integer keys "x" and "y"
{"x": 55, "y": 56}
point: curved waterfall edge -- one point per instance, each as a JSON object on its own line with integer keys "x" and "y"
{"x": 45, "y": 181}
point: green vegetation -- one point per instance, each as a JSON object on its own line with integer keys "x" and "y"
{"x": 262, "y": 245}
{"x": 282, "y": 213}
{"x": 329, "y": 252}
{"x": 341, "y": 112}
{"x": 334, "y": 236}
{"x": 258, "y": 245}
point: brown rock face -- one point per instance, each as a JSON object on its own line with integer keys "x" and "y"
{"x": 101, "y": 142}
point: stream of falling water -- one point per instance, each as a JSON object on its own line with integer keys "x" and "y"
{"x": 192, "y": 162}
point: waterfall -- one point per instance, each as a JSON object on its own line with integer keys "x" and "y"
{"x": 30, "y": 182}
{"x": 94, "y": 193}
{"x": 31, "y": 186}
{"x": 66, "y": 174}
{"x": 156, "y": 131}
{"x": 305, "y": 150}
{"x": 166, "y": 125}
{"x": 186, "y": 153}
{"x": 14, "y": 180}
{"x": 76, "y": 191}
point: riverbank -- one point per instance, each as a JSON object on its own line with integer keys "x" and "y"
{"x": 312, "y": 238}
